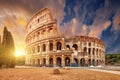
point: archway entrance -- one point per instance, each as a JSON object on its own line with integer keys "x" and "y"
{"x": 58, "y": 61}
{"x": 33, "y": 63}
{"x": 38, "y": 62}
{"x": 97, "y": 62}
{"x": 89, "y": 62}
{"x": 76, "y": 61}
{"x": 75, "y": 46}
{"x": 59, "y": 45}
{"x": 67, "y": 61}
{"x": 93, "y": 62}
{"x": 51, "y": 62}
{"x": 82, "y": 62}
{"x": 44, "y": 62}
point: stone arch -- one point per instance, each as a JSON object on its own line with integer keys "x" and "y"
{"x": 44, "y": 62}
{"x": 97, "y": 52}
{"x": 59, "y": 61}
{"x": 82, "y": 62}
{"x": 75, "y": 46}
{"x": 93, "y": 62}
{"x": 33, "y": 62}
{"x": 89, "y": 61}
{"x": 67, "y": 46}
{"x": 43, "y": 47}
{"x": 85, "y": 49}
{"x": 50, "y": 62}
{"x": 67, "y": 61}
{"x": 97, "y": 62}
{"x": 76, "y": 61}
{"x": 89, "y": 44}
{"x": 89, "y": 51}
{"x": 38, "y": 62}
{"x": 59, "y": 45}
{"x": 51, "y": 47}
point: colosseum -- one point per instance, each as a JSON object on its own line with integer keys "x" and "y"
{"x": 46, "y": 47}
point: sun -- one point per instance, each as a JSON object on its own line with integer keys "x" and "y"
{"x": 19, "y": 53}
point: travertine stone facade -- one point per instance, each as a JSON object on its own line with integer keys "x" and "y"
{"x": 45, "y": 47}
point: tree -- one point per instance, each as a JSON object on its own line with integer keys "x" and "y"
{"x": 8, "y": 51}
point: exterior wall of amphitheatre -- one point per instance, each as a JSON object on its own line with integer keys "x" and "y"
{"x": 45, "y": 47}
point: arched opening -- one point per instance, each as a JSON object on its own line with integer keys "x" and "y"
{"x": 89, "y": 51}
{"x": 44, "y": 48}
{"x": 85, "y": 49}
{"x": 82, "y": 62}
{"x": 75, "y": 46}
{"x": 89, "y": 62}
{"x": 58, "y": 61}
{"x": 89, "y": 44}
{"x": 38, "y": 62}
{"x": 38, "y": 48}
{"x": 67, "y": 61}
{"x": 68, "y": 47}
{"x": 59, "y": 46}
{"x": 44, "y": 62}
{"x": 51, "y": 47}
{"x": 93, "y": 62}
{"x": 76, "y": 61}
{"x": 97, "y": 52}
{"x": 97, "y": 62}
{"x": 33, "y": 63}
{"x": 50, "y": 62}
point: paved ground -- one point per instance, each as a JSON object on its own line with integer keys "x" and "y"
{"x": 107, "y": 71}
{"x": 47, "y": 74}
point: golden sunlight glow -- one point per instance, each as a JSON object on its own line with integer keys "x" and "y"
{"x": 19, "y": 53}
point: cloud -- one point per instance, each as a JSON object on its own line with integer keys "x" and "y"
{"x": 15, "y": 14}
{"x": 91, "y": 17}
{"x": 116, "y": 22}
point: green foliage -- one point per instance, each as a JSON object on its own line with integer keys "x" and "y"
{"x": 112, "y": 58}
{"x": 7, "y": 51}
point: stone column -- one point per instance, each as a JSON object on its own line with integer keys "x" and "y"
{"x": 54, "y": 61}
{"x": 54, "y": 45}
{"x": 47, "y": 47}
{"x": 40, "y": 62}
{"x": 91, "y": 55}
{"x": 63, "y": 44}
{"x": 40, "y": 35}
{"x": 79, "y": 47}
{"x": 79, "y": 61}
{"x": 63, "y": 61}
{"x": 47, "y": 61}
{"x": 95, "y": 57}
{"x": 35, "y": 62}
{"x": 46, "y": 32}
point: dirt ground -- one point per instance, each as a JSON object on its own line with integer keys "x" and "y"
{"x": 47, "y": 74}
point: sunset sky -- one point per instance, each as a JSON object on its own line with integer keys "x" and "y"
{"x": 95, "y": 18}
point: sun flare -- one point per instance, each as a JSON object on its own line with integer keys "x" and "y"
{"x": 19, "y": 53}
